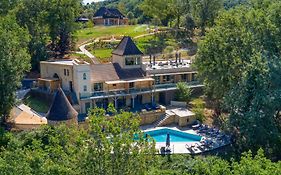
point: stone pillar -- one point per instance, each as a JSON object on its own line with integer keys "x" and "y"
{"x": 133, "y": 101}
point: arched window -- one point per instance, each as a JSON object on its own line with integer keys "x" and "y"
{"x": 84, "y": 76}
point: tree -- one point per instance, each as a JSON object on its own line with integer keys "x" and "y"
{"x": 33, "y": 14}
{"x": 6, "y": 5}
{"x": 254, "y": 105}
{"x": 130, "y": 15}
{"x": 157, "y": 9}
{"x": 247, "y": 164}
{"x": 205, "y": 12}
{"x": 238, "y": 35}
{"x": 117, "y": 146}
{"x": 61, "y": 21}
{"x": 189, "y": 25}
{"x": 178, "y": 8}
{"x": 239, "y": 63}
{"x": 14, "y": 61}
{"x": 183, "y": 92}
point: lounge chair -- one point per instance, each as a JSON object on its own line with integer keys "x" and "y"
{"x": 147, "y": 107}
{"x": 197, "y": 126}
{"x": 155, "y": 107}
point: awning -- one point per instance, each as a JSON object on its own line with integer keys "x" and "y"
{"x": 48, "y": 79}
{"x": 176, "y": 73}
{"x": 129, "y": 81}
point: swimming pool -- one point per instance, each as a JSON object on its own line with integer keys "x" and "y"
{"x": 160, "y": 135}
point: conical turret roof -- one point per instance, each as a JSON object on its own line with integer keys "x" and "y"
{"x": 127, "y": 47}
{"x": 61, "y": 109}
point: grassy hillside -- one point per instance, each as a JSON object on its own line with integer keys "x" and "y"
{"x": 109, "y": 31}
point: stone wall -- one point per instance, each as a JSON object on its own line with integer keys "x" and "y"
{"x": 151, "y": 116}
{"x": 169, "y": 121}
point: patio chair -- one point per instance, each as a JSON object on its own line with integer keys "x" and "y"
{"x": 147, "y": 107}
{"x": 155, "y": 106}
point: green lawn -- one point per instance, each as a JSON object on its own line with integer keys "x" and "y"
{"x": 102, "y": 54}
{"x": 80, "y": 57}
{"x": 36, "y": 104}
{"x": 108, "y": 31}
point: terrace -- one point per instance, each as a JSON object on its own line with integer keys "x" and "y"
{"x": 134, "y": 91}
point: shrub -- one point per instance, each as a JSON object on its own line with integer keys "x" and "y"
{"x": 183, "y": 92}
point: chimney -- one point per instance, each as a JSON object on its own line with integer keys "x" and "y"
{"x": 180, "y": 58}
{"x": 154, "y": 60}
{"x": 177, "y": 55}
{"x": 150, "y": 59}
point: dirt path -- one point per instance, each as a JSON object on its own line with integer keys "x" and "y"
{"x": 83, "y": 49}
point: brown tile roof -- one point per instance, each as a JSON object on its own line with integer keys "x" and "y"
{"x": 103, "y": 72}
{"x": 113, "y": 72}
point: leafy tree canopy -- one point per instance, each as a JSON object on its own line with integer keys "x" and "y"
{"x": 14, "y": 61}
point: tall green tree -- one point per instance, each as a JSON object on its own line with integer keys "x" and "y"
{"x": 33, "y": 15}
{"x": 205, "y": 12}
{"x": 239, "y": 63}
{"x": 178, "y": 9}
{"x": 238, "y": 35}
{"x": 61, "y": 21}
{"x": 14, "y": 61}
{"x": 157, "y": 9}
{"x": 254, "y": 104}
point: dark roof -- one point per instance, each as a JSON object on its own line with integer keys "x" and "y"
{"x": 113, "y": 72}
{"x": 103, "y": 72}
{"x": 125, "y": 74}
{"x": 127, "y": 47}
{"x": 109, "y": 13}
{"x": 61, "y": 109}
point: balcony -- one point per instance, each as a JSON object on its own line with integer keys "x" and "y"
{"x": 135, "y": 91}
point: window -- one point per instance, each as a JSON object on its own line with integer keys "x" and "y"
{"x": 172, "y": 79}
{"x": 85, "y": 88}
{"x": 98, "y": 87}
{"x": 114, "y": 85}
{"x": 184, "y": 77}
{"x": 64, "y": 72}
{"x": 67, "y": 71}
{"x": 131, "y": 85}
{"x": 166, "y": 78}
{"x": 193, "y": 77}
{"x": 157, "y": 79}
{"x": 84, "y": 76}
{"x": 132, "y": 61}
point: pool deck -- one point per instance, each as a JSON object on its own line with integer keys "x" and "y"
{"x": 186, "y": 147}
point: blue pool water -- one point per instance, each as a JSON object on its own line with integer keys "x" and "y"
{"x": 160, "y": 135}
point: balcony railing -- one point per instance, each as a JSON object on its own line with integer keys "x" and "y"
{"x": 136, "y": 91}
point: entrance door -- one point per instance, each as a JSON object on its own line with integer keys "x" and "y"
{"x": 87, "y": 106}
{"x": 162, "y": 99}
{"x": 70, "y": 86}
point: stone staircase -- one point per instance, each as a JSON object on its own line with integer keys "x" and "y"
{"x": 162, "y": 119}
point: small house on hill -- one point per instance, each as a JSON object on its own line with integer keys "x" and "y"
{"x": 109, "y": 16}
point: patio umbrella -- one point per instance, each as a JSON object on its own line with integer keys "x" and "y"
{"x": 168, "y": 140}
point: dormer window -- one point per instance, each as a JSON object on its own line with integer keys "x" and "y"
{"x": 131, "y": 61}
{"x": 84, "y": 76}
